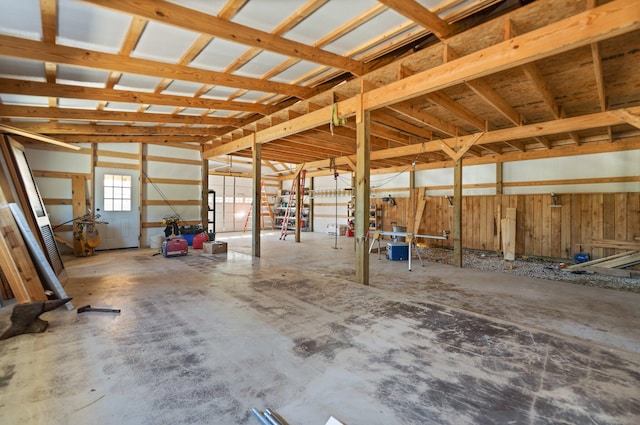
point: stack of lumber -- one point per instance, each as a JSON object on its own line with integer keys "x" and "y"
{"x": 613, "y": 265}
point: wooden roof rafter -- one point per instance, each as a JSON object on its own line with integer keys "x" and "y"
{"x": 182, "y": 17}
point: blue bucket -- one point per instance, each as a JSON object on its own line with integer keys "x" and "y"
{"x": 581, "y": 257}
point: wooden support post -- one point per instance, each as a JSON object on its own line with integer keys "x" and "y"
{"x": 204, "y": 195}
{"x": 363, "y": 191}
{"x": 499, "y": 189}
{"x": 298, "y": 212}
{"x": 457, "y": 213}
{"x": 508, "y": 225}
{"x": 257, "y": 204}
{"x": 79, "y": 201}
{"x": 412, "y": 201}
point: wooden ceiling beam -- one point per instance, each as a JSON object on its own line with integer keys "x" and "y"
{"x": 93, "y": 129}
{"x": 601, "y": 119}
{"x": 627, "y": 116}
{"x": 413, "y": 112}
{"x": 66, "y": 91}
{"x": 75, "y": 114}
{"x": 193, "y": 20}
{"x": 457, "y": 109}
{"x": 40, "y": 137}
{"x": 420, "y": 14}
{"x": 293, "y": 20}
{"x": 615, "y": 18}
{"x": 117, "y": 138}
{"x": 39, "y": 51}
{"x": 612, "y": 19}
{"x": 395, "y": 123}
{"x": 230, "y": 8}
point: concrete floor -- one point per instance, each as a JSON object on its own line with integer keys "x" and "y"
{"x": 203, "y": 339}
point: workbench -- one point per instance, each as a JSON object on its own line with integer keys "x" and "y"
{"x": 410, "y": 237}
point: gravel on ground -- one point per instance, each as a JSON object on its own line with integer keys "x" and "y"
{"x": 535, "y": 267}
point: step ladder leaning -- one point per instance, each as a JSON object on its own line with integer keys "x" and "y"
{"x": 287, "y": 212}
{"x": 264, "y": 206}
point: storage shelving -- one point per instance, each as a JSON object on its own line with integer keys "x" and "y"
{"x": 374, "y": 215}
{"x": 280, "y": 209}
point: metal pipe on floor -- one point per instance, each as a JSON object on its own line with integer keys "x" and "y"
{"x": 263, "y": 420}
{"x": 274, "y": 417}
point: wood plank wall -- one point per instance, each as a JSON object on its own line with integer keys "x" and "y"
{"x": 541, "y": 229}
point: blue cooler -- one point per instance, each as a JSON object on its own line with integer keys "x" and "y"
{"x": 398, "y": 251}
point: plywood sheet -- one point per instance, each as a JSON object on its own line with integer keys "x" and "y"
{"x": 16, "y": 263}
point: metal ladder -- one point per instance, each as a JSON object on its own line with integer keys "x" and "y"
{"x": 287, "y": 211}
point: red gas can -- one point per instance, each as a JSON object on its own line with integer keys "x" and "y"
{"x": 175, "y": 247}
{"x": 199, "y": 240}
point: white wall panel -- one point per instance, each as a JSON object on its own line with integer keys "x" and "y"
{"x": 437, "y": 177}
{"x": 615, "y": 164}
{"x": 173, "y": 171}
{"x": 171, "y": 152}
{"x": 131, "y": 148}
{"x": 54, "y": 187}
{"x": 69, "y": 162}
{"x": 390, "y": 181}
{"x": 172, "y": 191}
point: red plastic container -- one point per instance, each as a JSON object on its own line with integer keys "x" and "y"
{"x": 175, "y": 247}
{"x": 199, "y": 240}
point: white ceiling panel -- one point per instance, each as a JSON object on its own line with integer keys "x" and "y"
{"x": 144, "y": 124}
{"x": 295, "y": 72}
{"x": 77, "y": 76}
{"x": 433, "y": 4}
{"x": 95, "y": 28}
{"x": 380, "y": 24}
{"x": 163, "y": 43}
{"x": 389, "y": 41}
{"x": 173, "y": 125}
{"x": 122, "y": 106}
{"x": 211, "y": 7}
{"x": 136, "y": 82}
{"x": 22, "y": 69}
{"x": 318, "y": 74}
{"x": 182, "y": 88}
{"x": 29, "y": 120}
{"x": 160, "y": 109}
{"x": 252, "y": 96}
{"x": 122, "y": 123}
{"x": 78, "y": 104}
{"x": 16, "y": 99}
{"x": 193, "y": 111}
{"x": 326, "y": 19}
{"x": 221, "y": 113}
{"x": 261, "y": 64}
{"x": 219, "y": 93}
{"x": 266, "y": 15}
{"x": 198, "y": 126}
{"x": 218, "y": 55}
{"x": 21, "y": 18}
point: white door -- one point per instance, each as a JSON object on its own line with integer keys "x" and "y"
{"x": 117, "y": 203}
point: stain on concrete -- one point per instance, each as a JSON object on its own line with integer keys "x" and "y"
{"x": 7, "y": 374}
{"x": 325, "y": 345}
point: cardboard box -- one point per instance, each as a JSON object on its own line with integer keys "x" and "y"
{"x": 214, "y": 247}
{"x": 331, "y": 229}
